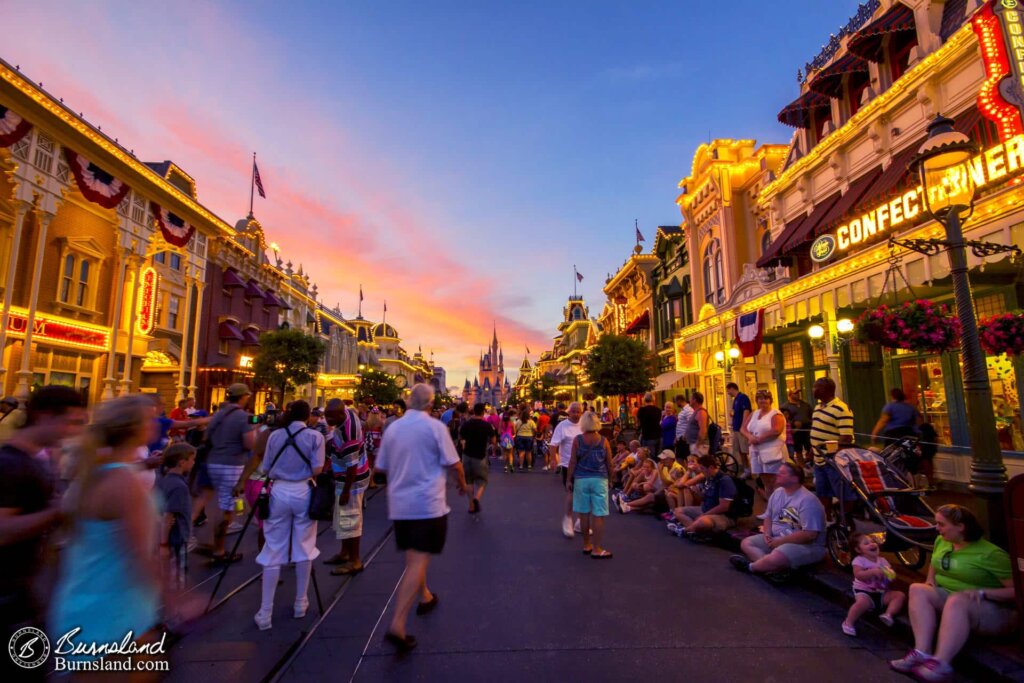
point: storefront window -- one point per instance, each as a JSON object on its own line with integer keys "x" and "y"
{"x": 922, "y": 381}
{"x": 819, "y": 355}
{"x": 792, "y": 355}
{"x": 1002, "y": 377}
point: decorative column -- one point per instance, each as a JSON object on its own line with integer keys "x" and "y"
{"x": 21, "y": 210}
{"x": 110, "y": 381}
{"x": 135, "y": 264}
{"x": 192, "y": 386}
{"x": 189, "y": 280}
{"x": 25, "y": 374}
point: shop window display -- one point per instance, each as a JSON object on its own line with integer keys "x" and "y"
{"x": 922, "y": 380}
{"x": 1002, "y": 376}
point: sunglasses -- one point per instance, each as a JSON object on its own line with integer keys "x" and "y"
{"x": 945, "y": 561}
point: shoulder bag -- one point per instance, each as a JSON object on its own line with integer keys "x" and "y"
{"x": 321, "y": 499}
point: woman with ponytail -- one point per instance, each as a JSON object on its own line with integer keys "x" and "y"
{"x": 109, "y": 583}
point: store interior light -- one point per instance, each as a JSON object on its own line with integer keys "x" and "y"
{"x": 720, "y": 356}
{"x": 734, "y": 353}
{"x": 844, "y": 326}
{"x": 816, "y": 332}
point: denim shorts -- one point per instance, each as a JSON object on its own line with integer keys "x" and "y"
{"x": 798, "y": 554}
{"x": 524, "y": 443}
{"x": 590, "y": 496}
{"x": 828, "y": 482}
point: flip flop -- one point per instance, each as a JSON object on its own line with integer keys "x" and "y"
{"x": 603, "y": 555}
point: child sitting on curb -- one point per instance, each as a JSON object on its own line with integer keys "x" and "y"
{"x": 871, "y": 576}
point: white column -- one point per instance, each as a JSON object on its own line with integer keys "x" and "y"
{"x": 192, "y": 386}
{"x": 25, "y": 374}
{"x": 21, "y": 210}
{"x": 110, "y": 381}
{"x": 182, "y": 387}
{"x": 135, "y": 263}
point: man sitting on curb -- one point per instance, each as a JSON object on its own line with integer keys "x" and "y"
{"x": 794, "y": 530}
{"x": 712, "y": 517}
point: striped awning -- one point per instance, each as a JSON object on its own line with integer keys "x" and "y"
{"x": 798, "y": 113}
{"x": 867, "y": 43}
{"x": 829, "y": 81}
{"x": 641, "y": 322}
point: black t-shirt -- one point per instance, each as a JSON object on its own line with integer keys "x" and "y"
{"x": 25, "y": 485}
{"x": 477, "y": 434}
{"x": 649, "y": 418}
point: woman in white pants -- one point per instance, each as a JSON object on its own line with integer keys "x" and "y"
{"x": 294, "y": 455}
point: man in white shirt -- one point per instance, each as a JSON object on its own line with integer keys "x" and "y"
{"x": 561, "y": 441}
{"x": 418, "y": 454}
{"x": 685, "y": 413}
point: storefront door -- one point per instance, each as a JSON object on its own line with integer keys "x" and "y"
{"x": 865, "y": 385}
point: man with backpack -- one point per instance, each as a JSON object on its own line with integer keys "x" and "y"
{"x": 716, "y": 513}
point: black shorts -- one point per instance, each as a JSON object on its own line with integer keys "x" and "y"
{"x": 876, "y": 599}
{"x": 422, "y": 535}
{"x": 565, "y": 475}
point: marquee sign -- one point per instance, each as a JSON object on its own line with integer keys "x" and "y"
{"x": 146, "y": 320}
{"x": 58, "y": 331}
{"x": 999, "y": 25}
{"x": 995, "y": 164}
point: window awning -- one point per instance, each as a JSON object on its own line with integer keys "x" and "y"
{"x": 228, "y": 331}
{"x": 796, "y": 233}
{"x": 829, "y": 81}
{"x": 665, "y": 380}
{"x": 232, "y": 279}
{"x": 250, "y": 337}
{"x": 867, "y": 42}
{"x": 798, "y": 113}
{"x": 252, "y": 290}
{"x": 641, "y": 322}
{"x": 271, "y": 299}
{"x": 774, "y": 253}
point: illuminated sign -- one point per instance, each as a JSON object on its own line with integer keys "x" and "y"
{"x": 686, "y": 362}
{"x": 147, "y": 300}
{"x": 245, "y": 361}
{"x": 49, "y": 329}
{"x": 994, "y": 164}
{"x": 823, "y": 248}
{"x": 999, "y": 26}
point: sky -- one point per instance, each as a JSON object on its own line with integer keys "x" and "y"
{"x": 457, "y": 159}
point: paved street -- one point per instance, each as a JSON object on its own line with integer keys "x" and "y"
{"x": 519, "y": 601}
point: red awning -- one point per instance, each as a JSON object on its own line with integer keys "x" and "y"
{"x": 250, "y": 337}
{"x": 793, "y": 235}
{"x": 798, "y": 113}
{"x": 829, "y": 81}
{"x": 232, "y": 279}
{"x": 641, "y": 322}
{"x": 774, "y": 253}
{"x": 252, "y": 290}
{"x": 867, "y": 42}
{"x": 228, "y": 330}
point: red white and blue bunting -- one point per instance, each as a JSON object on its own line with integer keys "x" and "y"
{"x": 94, "y": 183}
{"x": 174, "y": 229}
{"x": 12, "y": 127}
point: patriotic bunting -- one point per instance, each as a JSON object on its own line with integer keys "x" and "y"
{"x": 174, "y": 229}
{"x": 94, "y": 183}
{"x": 12, "y": 127}
{"x": 750, "y": 333}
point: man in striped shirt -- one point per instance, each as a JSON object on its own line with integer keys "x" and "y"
{"x": 832, "y": 421}
{"x": 352, "y": 476}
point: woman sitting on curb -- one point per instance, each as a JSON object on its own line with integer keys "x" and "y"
{"x": 969, "y": 589}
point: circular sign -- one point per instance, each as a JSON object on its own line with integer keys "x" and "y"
{"x": 823, "y": 248}
{"x": 401, "y": 381}
{"x": 29, "y": 647}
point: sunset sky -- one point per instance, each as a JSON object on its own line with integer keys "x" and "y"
{"x": 456, "y": 158}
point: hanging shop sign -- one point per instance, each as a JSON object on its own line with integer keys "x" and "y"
{"x": 58, "y": 331}
{"x": 147, "y": 300}
{"x": 999, "y": 25}
{"x": 994, "y": 165}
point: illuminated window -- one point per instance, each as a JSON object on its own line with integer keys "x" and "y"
{"x": 173, "y": 304}
{"x": 987, "y": 306}
{"x": 714, "y": 273}
{"x": 77, "y": 272}
{"x": 792, "y": 355}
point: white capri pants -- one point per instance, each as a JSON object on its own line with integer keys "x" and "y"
{"x": 289, "y": 532}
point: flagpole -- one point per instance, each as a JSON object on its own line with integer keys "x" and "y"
{"x": 575, "y": 279}
{"x": 360, "y": 301}
{"x": 636, "y": 227}
{"x": 252, "y": 184}
{"x": 385, "y": 312}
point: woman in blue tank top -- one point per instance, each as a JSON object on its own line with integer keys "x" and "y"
{"x": 109, "y": 585}
{"x": 588, "y": 480}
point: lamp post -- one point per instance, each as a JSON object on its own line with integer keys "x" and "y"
{"x": 576, "y": 377}
{"x": 949, "y": 198}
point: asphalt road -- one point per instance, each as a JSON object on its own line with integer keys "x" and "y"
{"x": 518, "y": 601}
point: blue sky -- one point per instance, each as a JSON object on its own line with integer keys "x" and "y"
{"x": 460, "y": 156}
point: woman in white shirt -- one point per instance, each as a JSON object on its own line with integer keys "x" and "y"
{"x": 766, "y": 430}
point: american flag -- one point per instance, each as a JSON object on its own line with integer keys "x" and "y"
{"x": 256, "y": 178}
{"x": 639, "y": 236}
{"x": 579, "y": 276}
{"x": 360, "y": 292}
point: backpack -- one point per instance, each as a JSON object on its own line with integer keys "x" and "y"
{"x": 714, "y": 436}
{"x": 743, "y": 504}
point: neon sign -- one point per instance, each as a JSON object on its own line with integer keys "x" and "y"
{"x": 999, "y": 26}
{"x": 59, "y": 331}
{"x": 147, "y": 300}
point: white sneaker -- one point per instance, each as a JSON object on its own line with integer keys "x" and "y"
{"x": 623, "y": 505}
{"x": 576, "y": 527}
{"x": 567, "y": 527}
{"x": 849, "y": 630}
{"x": 262, "y": 621}
{"x": 234, "y": 527}
{"x": 300, "y": 609}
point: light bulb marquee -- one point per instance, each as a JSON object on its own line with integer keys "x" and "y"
{"x": 999, "y": 25}
{"x": 147, "y": 300}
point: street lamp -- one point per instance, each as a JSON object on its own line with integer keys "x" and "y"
{"x": 575, "y": 364}
{"x": 948, "y": 186}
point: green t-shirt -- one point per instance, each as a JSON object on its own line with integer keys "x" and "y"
{"x": 977, "y": 565}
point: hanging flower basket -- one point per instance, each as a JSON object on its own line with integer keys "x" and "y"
{"x": 1003, "y": 333}
{"x": 921, "y": 325}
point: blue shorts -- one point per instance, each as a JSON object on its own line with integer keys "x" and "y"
{"x": 524, "y": 443}
{"x": 828, "y": 482}
{"x": 590, "y": 496}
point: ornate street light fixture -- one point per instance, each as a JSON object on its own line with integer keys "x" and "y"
{"x": 942, "y": 162}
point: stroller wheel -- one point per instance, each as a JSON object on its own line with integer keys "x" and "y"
{"x": 912, "y": 558}
{"x": 729, "y": 464}
{"x": 837, "y": 541}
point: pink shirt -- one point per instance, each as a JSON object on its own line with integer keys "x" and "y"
{"x": 876, "y": 584}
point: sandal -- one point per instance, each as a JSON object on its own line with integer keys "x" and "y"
{"x": 225, "y": 559}
{"x": 603, "y": 555}
{"x": 347, "y": 569}
{"x": 587, "y": 551}
{"x": 337, "y": 559}
{"x": 401, "y": 644}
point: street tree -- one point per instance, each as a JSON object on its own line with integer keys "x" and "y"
{"x": 287, "y": 359}
{"x": 619, "y": 365}
{"x": 543, "y": 388}
{"x": 378, "y": 387}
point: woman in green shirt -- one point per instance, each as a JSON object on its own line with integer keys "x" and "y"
{"x": 969, "y": 588}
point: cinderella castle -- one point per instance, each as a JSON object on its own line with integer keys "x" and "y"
{"x": 491, "y": 385}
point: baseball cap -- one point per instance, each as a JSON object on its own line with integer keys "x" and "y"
{"x": 666, "y": 455}
{"x": 237, "y": 390}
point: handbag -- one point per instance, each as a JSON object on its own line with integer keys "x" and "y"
{"x": 321, "y": 498}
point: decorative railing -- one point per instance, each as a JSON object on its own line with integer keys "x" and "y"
{"x": 829, "y": 49}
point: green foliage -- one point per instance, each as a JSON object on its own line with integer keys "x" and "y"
{"x": 377, "y": 386}
{"x": 287, "y": 359}
{"x": 619, "y": 365}
{"x": 543, "y": 389}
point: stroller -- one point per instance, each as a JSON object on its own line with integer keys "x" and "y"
{"x": 895, "y": 509}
